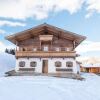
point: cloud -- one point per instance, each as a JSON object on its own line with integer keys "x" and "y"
{"x": 39, "y": 9}
{"x": 2, "y": 31}
{"x": 92, "y": 6}
{"x": 89, "y": 14}
{"x": 10, "y": 23}
{"x": 4, "y": 46}
{"x": 88, "y": 46}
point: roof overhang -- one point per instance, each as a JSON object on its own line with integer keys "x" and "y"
{"x": 30, "y": 33}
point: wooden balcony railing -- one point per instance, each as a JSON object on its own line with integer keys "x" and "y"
{"x": 40, "y": 54}
{"x": 38, "y": 48}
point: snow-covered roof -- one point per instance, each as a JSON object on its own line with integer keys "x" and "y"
{"x": 91, "y": 65}
{"x": 87, "y": 65}
{"x": 97, "y": 65}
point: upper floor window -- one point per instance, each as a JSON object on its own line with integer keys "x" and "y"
{"x": 58, "y": 64}
{"x": 45, "y": 48}
{"x": 34, "y": 49}
{"x": 67, "y": 49}
{"x": 69, "y": 64}
{"x": 22, "y": 64}
{"x": 57, "y": 49}
{"x": 33, "y": 64}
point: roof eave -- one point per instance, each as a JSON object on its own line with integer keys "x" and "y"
{"x": 77, "y": 36}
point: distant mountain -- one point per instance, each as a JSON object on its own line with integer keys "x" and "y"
{"x": 7, "y": 62}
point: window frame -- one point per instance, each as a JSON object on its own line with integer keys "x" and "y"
{"x": 23, "y": 63}
{"x": 33, "y": 64}
{"x": 69, "y": 64}
{"x": 59, "y": 64}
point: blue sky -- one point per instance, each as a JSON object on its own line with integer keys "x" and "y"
{"x": 79, "y": 16}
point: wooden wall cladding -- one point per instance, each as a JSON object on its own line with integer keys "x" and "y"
{"x": 56, "y": 42}
{"x": 32, "y": 41}
{"x": 61, "y": 42}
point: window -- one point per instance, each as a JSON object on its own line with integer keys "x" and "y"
{"x": 33, "y": 64}
{"x": 69, "y": 64}
{"x": 67, "y": 49}
{"x": 58, "y": 64}
{"x": 57, "y": 49}
{"x": 22, "y": 64}
{"x": 34, "y": 49}
{"x": 45, "y": 48}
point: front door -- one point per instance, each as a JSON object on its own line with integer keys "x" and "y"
{"x": 45, "y": 66}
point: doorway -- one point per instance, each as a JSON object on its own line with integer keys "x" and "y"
{"x": 45, "y": 66}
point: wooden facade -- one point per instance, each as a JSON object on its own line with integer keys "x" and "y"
{"x": 44, "y": 54}
{"x": 90, "y": 69}
{"x": 55, "y": 39}
{"x": 38, "y": 44}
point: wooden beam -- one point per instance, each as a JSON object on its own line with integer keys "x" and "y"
{"x": 45, "y": 30}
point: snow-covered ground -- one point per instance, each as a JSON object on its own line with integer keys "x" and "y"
{"x": 7, "y": 62}
{"x": 45, "y": 88}
{"x": 49, "y": 88}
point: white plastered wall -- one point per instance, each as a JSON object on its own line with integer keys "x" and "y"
{"x": 38, "y": 68}
{"x": 52, "y": 68}
{"x": 51, "y": 64}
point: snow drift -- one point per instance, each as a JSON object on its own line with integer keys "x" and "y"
{"x": 7, "y": 62}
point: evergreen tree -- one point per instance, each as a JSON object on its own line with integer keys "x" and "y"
{"x": 10, "y": 51}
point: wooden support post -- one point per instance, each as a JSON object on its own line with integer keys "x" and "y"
{"x": 74, "y": 44}
{"x": 40, "y": 44}
{"x": 51, "y": 46}
{"x": 16, "y": 45}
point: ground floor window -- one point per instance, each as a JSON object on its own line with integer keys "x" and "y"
{"x": 33, "y": 64}
{"x": 69, "y": 64}
{"x": 22, "y": 64}
{"x": 58, "y": 64}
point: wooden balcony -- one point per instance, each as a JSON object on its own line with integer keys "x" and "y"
{"x": 41, "y": 54}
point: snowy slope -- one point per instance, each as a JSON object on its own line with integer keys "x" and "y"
{"x": 49, "y": 88}
{"x": 7, "y": 62}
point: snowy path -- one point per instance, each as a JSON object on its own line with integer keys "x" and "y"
{"x": 49, "y": 88}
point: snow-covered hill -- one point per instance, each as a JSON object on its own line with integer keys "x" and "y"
{"x": 7, "y": 62}
{"x": 49, "y": 88}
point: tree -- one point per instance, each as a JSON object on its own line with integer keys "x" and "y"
{"x": 10, "y": 51}
{"x": 6, "y": 50}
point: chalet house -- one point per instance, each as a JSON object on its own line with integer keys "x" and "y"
{"x": 91, "y": 65}
{"x": 91, "y": 68}
{"x": 46, "y": 49}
